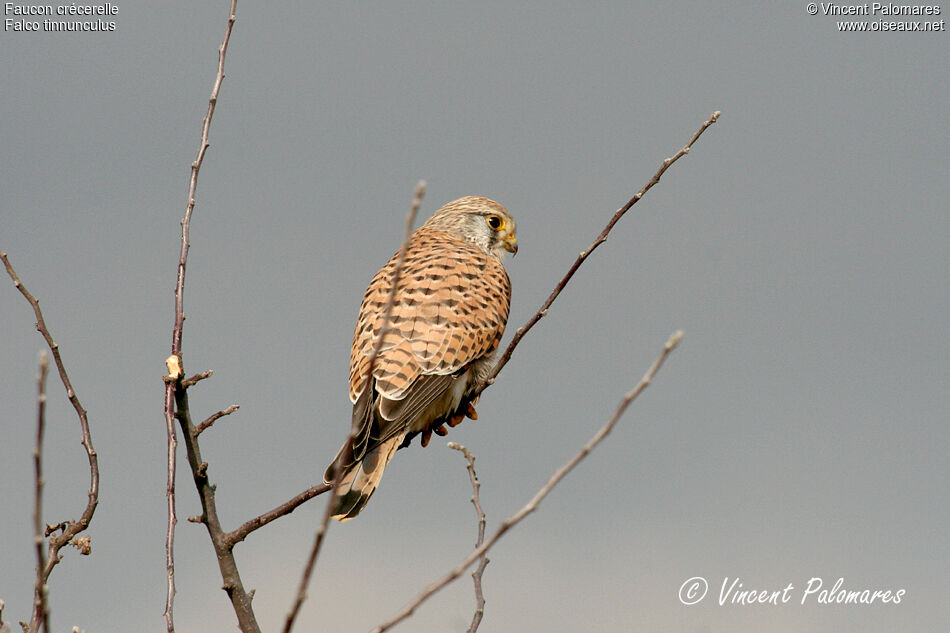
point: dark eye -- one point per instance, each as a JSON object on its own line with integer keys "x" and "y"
{"x": 495, "y": 222}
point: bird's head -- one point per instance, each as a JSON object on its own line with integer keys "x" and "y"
{"x": 478, "y": 220}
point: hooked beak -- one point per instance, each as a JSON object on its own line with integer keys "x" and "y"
{"x": 510, "y": 244}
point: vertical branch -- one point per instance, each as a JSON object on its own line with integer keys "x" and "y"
{"x": 483, "y": 561}
{"x": 193, "y": 185}
{"x": 68, "y": 529}
{"x": 175, "y": 370}
{"x": 387, "y": 312}
{"x": 227, "y": 565}
{"x": 40, "y": 606}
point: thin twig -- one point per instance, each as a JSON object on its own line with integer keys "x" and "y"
{"x": 214, "y": 417}
{"x": 40, "y": 589}
{"x": 483, "y": 561}
{"x": 239, "y": 534}
{"x": 543, "y": 310}
{"x": 174, "y": 385}
{"x": 387, "y": 313}
{"x": 193, "y": 380}
{"x": 69, "y": 529}
{"x": 535, "y": 501}
{"x": 311, "y": 562}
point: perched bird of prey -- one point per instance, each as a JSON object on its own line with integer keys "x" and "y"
{"x": 448, "y": 315}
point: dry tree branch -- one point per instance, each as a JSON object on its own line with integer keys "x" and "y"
{"x": 232, "y": 584}
{"x": 239, "y": 534}
{"x": 193, "y": 185}
{"x": 543, "y": 310}
{"x": 214, "y": 417}
{"x": 67, "y": 529}
{"x": 311, "y": 562}
{"x": 387, "y": 313}
{"x": 483, "y": 561}
{"x": 170, "y": 497}
{"x": 40, "y": 589}
{"x": 194, "y": 380}
{"x": 535, "y": 501}
{"x": 173, "y": 384}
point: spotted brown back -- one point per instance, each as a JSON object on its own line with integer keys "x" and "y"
{"x": 450, "y": 309}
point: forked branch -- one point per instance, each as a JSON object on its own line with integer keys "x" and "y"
{"x": 483, "y": 561}
{"x": 175, "y": 390}
{"x": 535, "y": 501}
{"x": 68, "y": 530}
{"x": 40, "y": 605}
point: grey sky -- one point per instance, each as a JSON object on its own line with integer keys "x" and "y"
{"x": 800, "y": 431}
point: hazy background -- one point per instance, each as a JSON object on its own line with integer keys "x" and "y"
{"x": 800, "y": 431}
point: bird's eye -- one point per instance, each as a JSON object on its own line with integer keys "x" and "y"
{"x": 495, "y": 222}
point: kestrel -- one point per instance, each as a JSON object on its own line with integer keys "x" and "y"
{"x": 448, "y": 315}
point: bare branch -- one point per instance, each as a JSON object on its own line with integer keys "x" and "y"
{"x": 232, "y": 584}
{"x": 543, "y": 310}
{"x": 173, "y": 386}
{"x": 69, "y": 529}
{"x": 193, "y": 380}
{"x": 214, "y": 417}
{"x": 193, "y": 185}
{"x": 40, "y": 606}
{"x": 387, "y": 312}
{"x": 172, "y": 439}
{"x": 535, "y": 501}
{"x": 236, "y": 536}
{"x": 483, "y": 561}
{"x": 311, "y": 562}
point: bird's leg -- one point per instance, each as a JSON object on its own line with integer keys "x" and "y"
{"x": 439, "y": 430}
{"x": 469, "y": 412}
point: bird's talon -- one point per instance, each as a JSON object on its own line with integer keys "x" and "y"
{"x": 470, "y": 412}
{"x": 455, "y": 420}
{"x": 426, "y": 436}
{"x": 440, "y": 430}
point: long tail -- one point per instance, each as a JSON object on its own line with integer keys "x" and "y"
{"x": 360, "y": 479}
